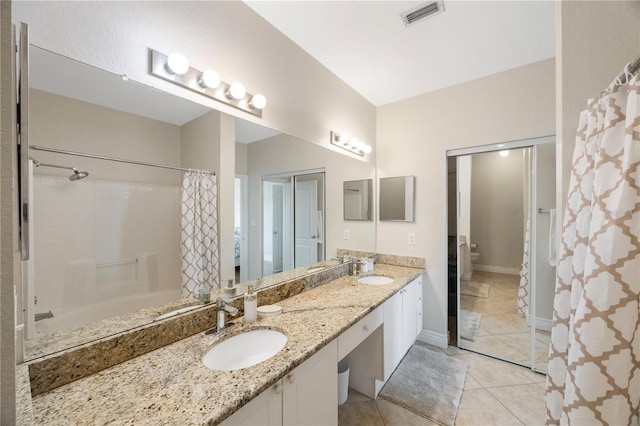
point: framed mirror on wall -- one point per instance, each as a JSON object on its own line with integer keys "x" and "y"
{"x": 118, "y": 266}
{"x": 397, "y": 198}
{"x": 357, "y": 199}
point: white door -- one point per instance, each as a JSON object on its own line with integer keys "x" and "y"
{"x": 306, "y": 222}
{"x": 277, "y": 226}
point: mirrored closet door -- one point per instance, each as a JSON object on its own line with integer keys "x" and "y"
{"x": 501, "y": 213}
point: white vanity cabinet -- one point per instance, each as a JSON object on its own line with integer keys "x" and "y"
{"x": 402, "y": 324}
{"x": 265, "y": 409}
{"x": 308, "y": 395}
{"x": 310, "y": 391}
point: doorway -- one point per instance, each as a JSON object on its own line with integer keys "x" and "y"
{"x": 501, "y": 276}
{"x": 293, "y": 221}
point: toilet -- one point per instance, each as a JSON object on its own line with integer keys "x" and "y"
{"x": 474, "y": 255}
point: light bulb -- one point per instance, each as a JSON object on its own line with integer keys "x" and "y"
{"x": 177, "y": 64}
{"x": 209, "y": 79}
{"x": 236, "y": 91}
{"x": 360, "y": 145}
{"x": 504, "y": 153}
{"x": 353, "y": 142}
{"x": 343, "y": 139}
{"x": 367, "y": 149}
{"x": 258, "y": 101}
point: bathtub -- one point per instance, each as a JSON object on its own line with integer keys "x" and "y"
{"x": 67, "y": 318}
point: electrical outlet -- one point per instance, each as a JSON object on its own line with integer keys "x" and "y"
{"x": 411, "y": 238}
{"x": 346, "y": 235}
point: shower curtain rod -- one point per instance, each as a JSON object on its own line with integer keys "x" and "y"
{"x": 119, "y": 160}
{"x": 633, "y": 68}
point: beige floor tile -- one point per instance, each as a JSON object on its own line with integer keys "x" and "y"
{"x": 355, "y": 396}
{"x": 471, "y": 383}
{"x": 395, "y": 415}
{"x": 491, "y": 372}
{"x": 526, "y": 402}
{"x": 359, "y": 414}
{"x": 479, "y": 407}
{"x": 513, "y": 347}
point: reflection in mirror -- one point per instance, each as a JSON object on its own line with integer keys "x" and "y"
{"x": 397, "y": 198}
{"x": 358, "y": 199}
{"x": 100, "y": 264}
{"x": 292, "y": 221}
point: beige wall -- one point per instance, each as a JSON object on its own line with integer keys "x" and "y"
{"x": 594, "y": 40}
{"x": 497, "y": 209}
{"x": 413, "y": 137}
{"x": 241, "y": 158}
{"x": 267, "y": 158}
{"x": 208, "y": 143}
{"x": 61, "y": 122}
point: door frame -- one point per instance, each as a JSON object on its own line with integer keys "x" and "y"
{"x": 523, "y": 143}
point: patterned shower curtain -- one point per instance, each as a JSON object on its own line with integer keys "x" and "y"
{"x": 199, "y": 233}
{"x": 523, "y": 289}
{"x": 594, "y": 358}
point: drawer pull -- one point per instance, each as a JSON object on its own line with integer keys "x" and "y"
{"x": 277, "y": 388}
{"x": 291, "y": 377}
{"x": 365, "y": 328}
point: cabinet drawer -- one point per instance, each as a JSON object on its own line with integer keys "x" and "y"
{"x": 351, "y": 338}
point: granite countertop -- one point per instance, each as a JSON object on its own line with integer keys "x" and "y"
{"x": 171, "y": 386}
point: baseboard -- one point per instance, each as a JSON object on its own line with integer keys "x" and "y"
{"x": 466, "y": 276}
{"x": 496, "y": 269}
{"x": 541, "y": 323}
{"x": 433, "y": 338}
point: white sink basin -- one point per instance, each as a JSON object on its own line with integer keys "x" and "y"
{"x": 176, "y": 312}
{"x": 244, "y": 350}
{"x": 375, "y": 280}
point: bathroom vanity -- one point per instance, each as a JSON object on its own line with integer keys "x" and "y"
{"x": 297, "y": 385}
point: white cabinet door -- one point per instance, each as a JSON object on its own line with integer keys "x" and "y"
{"x": 418, "y": 285}
{"x": 310, "y": 392}
{"x": 263, "y": 410}
{"x": 392, "y": 334}
{"x": 409, "y": 312}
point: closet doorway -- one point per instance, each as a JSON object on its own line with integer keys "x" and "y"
{"x": 501, "y": 199}
{"x": 292, "y": 221}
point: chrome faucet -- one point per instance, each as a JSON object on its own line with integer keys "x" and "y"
{"x": 223, "y": 307}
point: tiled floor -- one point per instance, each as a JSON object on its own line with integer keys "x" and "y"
{"x": 503, "y": 330}
{"x": 495, "y": 393}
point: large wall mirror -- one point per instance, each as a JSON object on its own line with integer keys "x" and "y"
{"x": 106, "y": 247}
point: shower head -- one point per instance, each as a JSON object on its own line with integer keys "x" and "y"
{"x": 74, "y": 177}
{"x": 78, "y": 175}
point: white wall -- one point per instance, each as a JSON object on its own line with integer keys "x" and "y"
{"x": 304, "y": 98}
{"x": 464, "y": 172}
{"x": 413, "y": 137}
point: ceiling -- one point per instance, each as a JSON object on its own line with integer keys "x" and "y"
{"x": 366, "y": 44}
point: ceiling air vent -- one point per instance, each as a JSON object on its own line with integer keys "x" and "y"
{"x": 424, "y": 10}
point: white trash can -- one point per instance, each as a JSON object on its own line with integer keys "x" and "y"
{"x": 343, "y": 381}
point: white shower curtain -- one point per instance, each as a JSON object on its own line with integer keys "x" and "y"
{"x": 199, "y": 234}
{"x": 594, "y": 359}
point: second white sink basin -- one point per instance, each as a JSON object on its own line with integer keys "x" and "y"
{"x": 375, "y": 280}
{"x": 244, "y": 350}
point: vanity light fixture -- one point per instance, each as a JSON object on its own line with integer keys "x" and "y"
{"x": 209, "y": 79}
{"x": 177, "y": 64}
{"x": 175, "y": 68}
{"x": 350, "y": 144}
{"x": 236, "y": 91}
{"x": 258, "y": 101}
